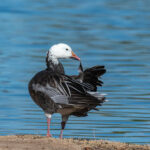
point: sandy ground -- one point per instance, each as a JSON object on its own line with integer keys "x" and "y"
{"x": 32, "y": 142}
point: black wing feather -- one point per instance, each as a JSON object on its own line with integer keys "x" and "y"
{"x": 53, "y": 89}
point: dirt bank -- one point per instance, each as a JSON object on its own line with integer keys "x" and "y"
{"x": 31, "y": 142}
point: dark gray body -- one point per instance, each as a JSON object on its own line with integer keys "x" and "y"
{"x": 56, "y": 92}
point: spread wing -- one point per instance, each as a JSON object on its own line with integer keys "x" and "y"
{"x": 90, "y": 77}
{"x": 58, "y": 88}
{"x": 80, "y": 95}
{"x": 61, "y": 89}
{"x": 52, "y": 91}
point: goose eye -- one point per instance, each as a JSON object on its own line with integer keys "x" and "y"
{"x": 67, "y": 49}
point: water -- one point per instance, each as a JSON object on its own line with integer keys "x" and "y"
{"x": 111, "y": 33}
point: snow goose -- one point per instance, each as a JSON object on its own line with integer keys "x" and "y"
{"x": 56, "y": 92}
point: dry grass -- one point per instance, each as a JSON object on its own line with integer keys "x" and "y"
{"x": 32, "y": 142}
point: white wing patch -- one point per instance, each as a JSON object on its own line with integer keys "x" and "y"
{"x": 97, "y": 94}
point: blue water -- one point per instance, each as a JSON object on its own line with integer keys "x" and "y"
{"x": 111, "y": 33}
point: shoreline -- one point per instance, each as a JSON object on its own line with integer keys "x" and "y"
{"x": 35, "y": 142}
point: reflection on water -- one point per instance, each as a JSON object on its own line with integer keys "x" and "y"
{"x": 112, "y": 33}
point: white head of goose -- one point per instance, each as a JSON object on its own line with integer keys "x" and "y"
{"x": 55, "y": 92}
{"x": 59, "y": 51}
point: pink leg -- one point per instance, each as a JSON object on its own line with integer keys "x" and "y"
{"x": 61, "y": 134}
{"x": 48, "y": 127}
{"x": 62, "y": 128}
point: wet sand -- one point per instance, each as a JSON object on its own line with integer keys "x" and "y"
{"x": 33, "y": 142}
